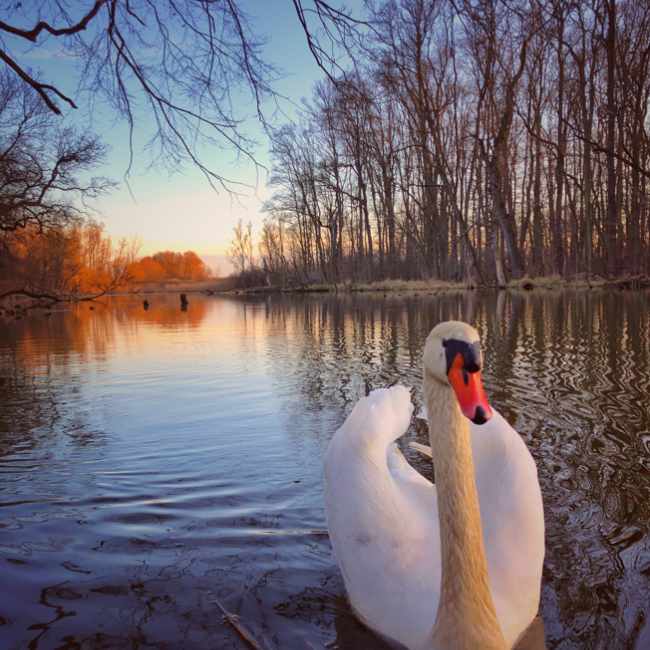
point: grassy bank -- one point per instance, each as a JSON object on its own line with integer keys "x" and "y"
{"x": 218, "y": 285}
{"x": 552, "y": 282}
{"x": 434, "y": 286}
{"x": 421, "y": 286}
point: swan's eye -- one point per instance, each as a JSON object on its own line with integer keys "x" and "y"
{"x": 444, "y": 343}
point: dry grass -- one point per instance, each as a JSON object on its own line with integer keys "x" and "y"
{"x": 216, "y": 285}
{"x": 429, "y": 286}
{"x": 546, "y": 282}
{"x": 405, "y": 286}
{"x": 383, "y": 286}
{"x": 557, "y": 282}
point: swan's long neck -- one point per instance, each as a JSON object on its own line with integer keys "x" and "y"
{"x": 466, "y": 618}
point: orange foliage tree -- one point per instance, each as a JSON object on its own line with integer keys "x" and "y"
{"x": 80, "y": 259}
{"x": 167, "y": 265}
{"x": 77, "y": 259}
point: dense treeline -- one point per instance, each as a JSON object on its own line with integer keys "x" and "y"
{"x": 81, "y": 259}
{"x": 475, "y": 139}
{"x": 167, "y": 265}
{"x": 76, "y": 259}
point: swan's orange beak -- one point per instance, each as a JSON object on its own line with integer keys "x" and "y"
{"x": 469, "y": 391}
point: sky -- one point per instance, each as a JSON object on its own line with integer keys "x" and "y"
{"x": 183, "y": 212}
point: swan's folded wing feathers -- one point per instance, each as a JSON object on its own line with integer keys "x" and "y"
{"x": 381, "y": 513}
{"x": 400, "y": 469}
{"x": 512, "y": 520}
{"x": 424, "y": 449}
{"x": 378, "y": 419}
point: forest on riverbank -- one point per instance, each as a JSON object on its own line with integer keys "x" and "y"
{"x": 475, "y": 141}
{"x": 80, "y": 259}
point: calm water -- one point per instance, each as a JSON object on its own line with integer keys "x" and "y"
{"x": 152, "y": 462}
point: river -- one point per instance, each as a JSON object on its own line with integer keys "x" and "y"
{"x": 155, "y": 462}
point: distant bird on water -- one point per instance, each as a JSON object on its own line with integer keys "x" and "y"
{"x": 451, "y": 566}
{"x": 145, "y": 304}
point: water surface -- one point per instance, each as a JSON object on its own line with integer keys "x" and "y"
{"x": 152, "y": 462}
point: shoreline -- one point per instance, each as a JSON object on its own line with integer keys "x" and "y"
{"x": 434, "y": 286}
{"x": 19, "y": 304}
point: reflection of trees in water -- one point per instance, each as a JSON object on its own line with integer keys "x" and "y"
{"x": 570, "y": 370}
{"x": 333, "y": 350}
{"x": 38, "y": 393}
{"x": 572, "y": 373}
{"x": 138, "y": 612}
{"x": 45, "y": 360}
{"x": 48, "y": 340}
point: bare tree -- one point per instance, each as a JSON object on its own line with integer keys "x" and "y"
{"x": 609, "y": 10}
{"x": 183, "y": 63}
{"x": 241, "y": 247}
{"x": 503, "y": 136}
{"x": 44, "y": 169}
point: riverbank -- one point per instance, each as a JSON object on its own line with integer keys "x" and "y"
{"x": 435, "y": 286}
{"x": 219, "y": 285}
{"x": 16, "y": 303}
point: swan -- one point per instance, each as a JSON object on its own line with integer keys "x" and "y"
{"x": 451, "y": 566}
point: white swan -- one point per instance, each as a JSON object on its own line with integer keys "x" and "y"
{"x": 416, "y": 557}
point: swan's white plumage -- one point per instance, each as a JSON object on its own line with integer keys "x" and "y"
{"x": 382, "y": 517}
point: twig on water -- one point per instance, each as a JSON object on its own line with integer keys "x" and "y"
{"x": 271, "y": 531}
{"x": 232, "y": 620}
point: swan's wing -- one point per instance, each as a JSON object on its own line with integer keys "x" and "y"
{"x": 425, "y": 449}
{"x": 512, "y": 519}
{"x": 382, "y": 519}
{"x": 419, "y": 491}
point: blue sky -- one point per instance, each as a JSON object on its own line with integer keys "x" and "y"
{"x": 182, "y": 212}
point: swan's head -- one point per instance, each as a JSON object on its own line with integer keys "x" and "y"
{"x": 452, "y": 355}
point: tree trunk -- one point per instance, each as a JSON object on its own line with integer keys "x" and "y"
{"x": 611, "y": 217}
{"x": 558, "y": 249}
{"x": 538, "y": 226}
{"x": 502, "y": 218}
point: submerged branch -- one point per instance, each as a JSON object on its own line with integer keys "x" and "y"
{"x": 231, "y": 619}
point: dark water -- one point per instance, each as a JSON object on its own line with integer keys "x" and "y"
{"x": 152, "y": 462}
